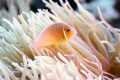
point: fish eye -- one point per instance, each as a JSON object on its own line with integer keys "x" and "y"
{"x": 68, "y": 30}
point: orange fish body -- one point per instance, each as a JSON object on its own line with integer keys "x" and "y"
{"x": 54, "y": 34}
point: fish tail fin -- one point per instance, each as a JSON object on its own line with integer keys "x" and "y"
{"x": 35, "y": 45}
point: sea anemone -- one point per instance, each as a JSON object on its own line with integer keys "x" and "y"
{"x": 92, "y": 54}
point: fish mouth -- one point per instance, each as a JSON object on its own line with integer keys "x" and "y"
{"x": 74, "y": 32}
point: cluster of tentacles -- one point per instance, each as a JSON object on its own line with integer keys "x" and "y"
{"x": 92, "y": 54}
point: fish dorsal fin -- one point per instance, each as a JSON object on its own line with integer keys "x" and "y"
{"x": 64, "y": 33}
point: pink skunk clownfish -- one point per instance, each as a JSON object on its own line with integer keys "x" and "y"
{"x": 56, "y": 33}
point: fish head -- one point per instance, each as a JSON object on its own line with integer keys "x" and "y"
{"x": 69, "y": 32}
